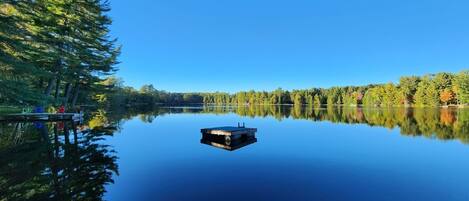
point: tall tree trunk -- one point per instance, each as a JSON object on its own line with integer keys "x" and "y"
{"x": 68, "y": 91}
{"x": 50, "y": 84}
{"x": 76, "y": 91}
{"x": 57, "y": 86}
{"x": 40, "y": 83}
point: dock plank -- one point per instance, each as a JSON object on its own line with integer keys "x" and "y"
{"x": 42, "y": 117}
{"x": 228, "y": 130}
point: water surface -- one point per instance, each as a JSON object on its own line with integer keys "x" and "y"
{"x": 300, "y": 153}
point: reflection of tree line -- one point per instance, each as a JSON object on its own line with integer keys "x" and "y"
{"x": 54, "y": 161}
{"x": 441, "y": 123}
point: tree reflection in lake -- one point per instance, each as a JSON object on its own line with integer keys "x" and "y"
{"x": 61, "y": 161}
{"x": 54, "y": 161}
{"x": 440, "y": 123}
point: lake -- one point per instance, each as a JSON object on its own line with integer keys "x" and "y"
{"x": 299, "y": 153}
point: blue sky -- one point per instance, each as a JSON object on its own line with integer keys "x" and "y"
{"x": 232, "y": 45}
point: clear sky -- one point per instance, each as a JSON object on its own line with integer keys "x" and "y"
{"x": 232, "y": 45}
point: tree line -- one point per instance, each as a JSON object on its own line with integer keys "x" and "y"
{"x": 54, "y": 51}
{"x": 429, "y": 90}
{"x": 441, "y": 89}
{"x": 116, "y": 94}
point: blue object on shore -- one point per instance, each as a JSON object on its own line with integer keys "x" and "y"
{"x": 38, "y": 109}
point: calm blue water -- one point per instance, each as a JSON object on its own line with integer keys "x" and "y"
{"x": 292, "y": 160}
{"x": 296, "y": 157}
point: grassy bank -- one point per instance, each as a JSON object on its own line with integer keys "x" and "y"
{"x": 4, "y": 109}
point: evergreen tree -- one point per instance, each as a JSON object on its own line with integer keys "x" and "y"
{"x": 462, "y": 87}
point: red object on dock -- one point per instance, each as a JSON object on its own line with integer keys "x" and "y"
{"x": 61, "y": 109}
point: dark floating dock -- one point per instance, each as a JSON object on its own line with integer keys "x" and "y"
{"x": 228, "y": 137}
{"x": 42, "y": 117}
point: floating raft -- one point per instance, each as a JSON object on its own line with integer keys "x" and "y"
{"x": 229, "y": 132}
{"x": 42, "y": 117}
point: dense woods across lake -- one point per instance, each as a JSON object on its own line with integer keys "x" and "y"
{"x": 439, "y": 89}
{"x": 428, "y": 90}
{"x": 60, "y": 53}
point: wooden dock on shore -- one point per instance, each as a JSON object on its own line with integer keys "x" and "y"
{"x": 42, "y": 117}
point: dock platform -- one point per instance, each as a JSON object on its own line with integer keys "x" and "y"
{"x": 228, "y": 137}
{"x": 229, "y": 132}
{"x": 42, "y": 117}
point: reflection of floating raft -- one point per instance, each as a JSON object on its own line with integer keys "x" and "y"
{"x": 229, "y": 145}
{"x": 42, "y": 117}
{"x": 228, "y": 137}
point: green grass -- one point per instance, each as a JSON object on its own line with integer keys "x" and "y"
{"x": 4, "y": 109}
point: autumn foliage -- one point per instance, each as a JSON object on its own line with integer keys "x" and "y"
{"x": 446, "y": 96}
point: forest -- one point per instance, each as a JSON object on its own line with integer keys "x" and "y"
{"x": 60, "y": 52}
{"x": 54, "y": 51}
{"x": 441, "y": 89}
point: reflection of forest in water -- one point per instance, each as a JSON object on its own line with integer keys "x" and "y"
{"x": 440, "y": 123}
{"x": 61, "y": 161}
{"x": 54, "y": 161}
